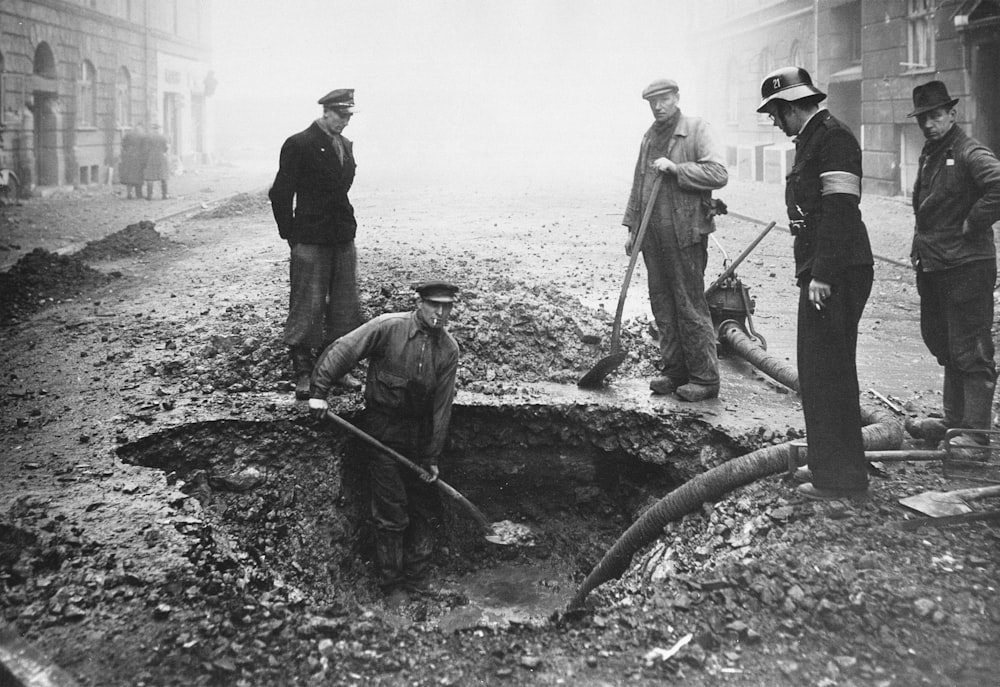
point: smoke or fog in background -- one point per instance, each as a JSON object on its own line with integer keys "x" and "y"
{"x": 526, "y": 92}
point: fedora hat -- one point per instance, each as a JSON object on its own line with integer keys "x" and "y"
{"x": 930, "y": 96}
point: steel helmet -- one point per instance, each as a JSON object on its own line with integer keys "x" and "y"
{"x": 789, "y": 84}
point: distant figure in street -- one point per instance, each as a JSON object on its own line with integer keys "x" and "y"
{"x": 313, "y": 213}
{"x": 834, "y": 270}
{"x": 683, "y": 151}
{"x": 408, "y": 398}
{"x": 956, "y": 200}
{"x": 156, "y": 167}
{"x": 131, "y": 167}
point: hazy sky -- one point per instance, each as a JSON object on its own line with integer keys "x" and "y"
{"x": 533, "y": 87}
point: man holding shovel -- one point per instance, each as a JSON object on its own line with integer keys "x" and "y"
{"x": 410, "y": 387}
{"x": 956, "y": 200}
{"x": 675, "y": 249}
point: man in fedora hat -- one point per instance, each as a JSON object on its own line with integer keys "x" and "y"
{"x": 834, "y": 272}
{"x": 313, "y": 213}
{"x": 682, "y": 151}
{"x": 956, "y": 200}
{"x": 409, "y": 389}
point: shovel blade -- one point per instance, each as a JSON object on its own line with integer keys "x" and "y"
{"x": 604, "y": 367}
{"x": 936, "y": 504}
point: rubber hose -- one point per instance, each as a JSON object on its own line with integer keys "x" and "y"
{"x": 732, "y": 334}
{"x": 881, "y": 432}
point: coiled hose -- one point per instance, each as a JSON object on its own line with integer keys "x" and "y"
{"x": 881, "y": 432}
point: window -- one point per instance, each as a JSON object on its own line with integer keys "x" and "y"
{"x": 123, "y": 99}
{"x": 87, "y": 106}
{"x": 920, "y": 35}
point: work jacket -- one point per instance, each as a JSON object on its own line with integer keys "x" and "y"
{"x": 410, "y": 385}
{"x": 684, "y": 201}
{"x": 822, "y": 197}
{"x": 309, "y": 194}
{"x": 956, "y": 200}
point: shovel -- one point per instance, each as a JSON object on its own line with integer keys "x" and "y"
{"x": 504, "y": 532}
{"x": 939, "y": 504}
{"x": 610, "y": 362}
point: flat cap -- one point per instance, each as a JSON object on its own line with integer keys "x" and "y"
{"x": 439, "y": 291}
{"x": 659, "y": 87}
{"x": 339, "y": 99}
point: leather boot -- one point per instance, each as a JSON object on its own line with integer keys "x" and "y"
{"x": 697, "y": 392}
{"x": 302, "y": 365}
{"x": 929, "y": 428}
{"x": 419, "y": 548}
{"x": 389, "y": 559}
{"x": 978, "y": 400}
{"x": 953, "y": 397}
{"x": 665, "y": 385}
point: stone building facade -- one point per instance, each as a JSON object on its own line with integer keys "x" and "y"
{"x": 867, "y": 55}
{"x": 75, "y": 75}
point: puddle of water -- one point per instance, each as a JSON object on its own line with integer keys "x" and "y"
{"x": 508, "y": 593}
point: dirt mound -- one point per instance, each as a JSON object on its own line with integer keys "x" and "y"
{"x": 510, "y": 333}
{"x": 40, "y": 279}
{"x": 240, "y": 204}
{"x": 133, "y": 239}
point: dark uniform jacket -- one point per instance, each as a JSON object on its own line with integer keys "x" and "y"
{"x": 309, "y": 194}
{"x": 410, "y": 385}
{"x": 958, "y": 187}
{"x": 824, "y": 190}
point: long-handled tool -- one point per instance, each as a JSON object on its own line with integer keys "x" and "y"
{"x": 609, "y": 363}
{"x": 946, "y": 503}
{"x": 503, "y": 532}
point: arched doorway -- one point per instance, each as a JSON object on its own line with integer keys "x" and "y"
{"x": 46, "y": 110}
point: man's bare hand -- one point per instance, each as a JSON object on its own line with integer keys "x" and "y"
{"x": 819, "y": 291}
{"x": 665, "y": 165}
{"x": 318, "y": 407}
{"x": 630, "y": 243}
{"x": 432, "y": 476}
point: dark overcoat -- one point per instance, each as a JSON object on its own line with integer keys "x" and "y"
{"x": 309, "y": 194}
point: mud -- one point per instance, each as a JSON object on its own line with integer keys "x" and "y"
{"x": 230, "y": 547}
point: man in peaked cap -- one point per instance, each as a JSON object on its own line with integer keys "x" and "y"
{"x": 956, "y": 200}
{"x": 834, "y": 273}
{"x": 314, "y": 215}
{"x": 409, "y": 390}
{"x": 682, "y": 152}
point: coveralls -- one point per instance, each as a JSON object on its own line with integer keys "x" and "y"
{"x": 675, "y": 248}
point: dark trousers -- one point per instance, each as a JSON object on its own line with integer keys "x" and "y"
{"x": 676, "y": 278}
{"x": 404, "y": 511}
{"x": 956, "y": 317}
{"x": 828, "y": 381}
{"x": 323, "y": 302}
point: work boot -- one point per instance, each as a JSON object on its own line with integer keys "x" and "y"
{"x": 665, "y": 385}
{"x": 389, "y": 559}
{"x": 978, "y": 398}
{"x": 302, "y": 365}
{"x": 697, "y": 392}
{"x": 929, "y": 428}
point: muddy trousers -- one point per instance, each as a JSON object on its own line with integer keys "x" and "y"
{"x": 676, "y": 278}
{"x": 828, "y": 381}
{"x": 956, "y": 318}
{"x": 323, "y": 303}
{"x": 405, "y": 510}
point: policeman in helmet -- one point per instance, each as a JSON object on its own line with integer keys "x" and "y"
{"x": 833, "y": 269}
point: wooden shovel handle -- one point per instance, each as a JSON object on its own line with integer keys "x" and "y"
{"x": 616, "y": 331}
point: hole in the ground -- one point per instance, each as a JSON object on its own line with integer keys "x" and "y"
{"x": 278, "y": 508}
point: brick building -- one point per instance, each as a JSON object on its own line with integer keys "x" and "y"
{"x": 75, "y": 75}
{"x": 867, "y": 55}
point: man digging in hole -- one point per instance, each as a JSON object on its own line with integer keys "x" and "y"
{"x": 409, "y": 390}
